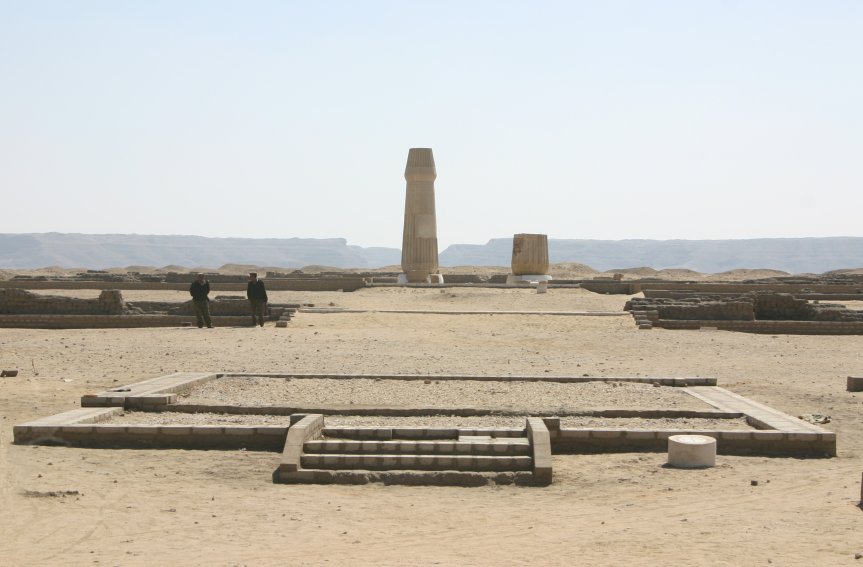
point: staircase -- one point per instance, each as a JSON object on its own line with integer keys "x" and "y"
{"x": 418, "y": 456}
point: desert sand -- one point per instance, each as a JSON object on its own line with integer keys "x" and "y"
{"x": 70, "y": 506}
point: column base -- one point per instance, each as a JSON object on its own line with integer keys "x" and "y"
{"x": 526, "y": 280}
{"x": 436, "y": 279}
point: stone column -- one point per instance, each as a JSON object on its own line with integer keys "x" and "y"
{"x": 419, "y": 240}
{"x": 529, "y": 254}
{"x": 529, "y": 259}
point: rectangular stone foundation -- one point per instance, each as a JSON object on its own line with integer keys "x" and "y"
{"x": 776, "y": 433}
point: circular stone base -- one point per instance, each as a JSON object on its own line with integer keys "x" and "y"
{"x": 527, "y": 280}
{"x": 691, "y": 451}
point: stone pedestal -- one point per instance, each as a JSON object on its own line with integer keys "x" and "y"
{"x": 419, "y": 239}
{"x": 436, "y": 279}
{"x": 691, "y": 451}
{"x": 528, "y": 280}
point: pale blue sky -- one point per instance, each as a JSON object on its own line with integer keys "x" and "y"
{"x": 612, "y": 120}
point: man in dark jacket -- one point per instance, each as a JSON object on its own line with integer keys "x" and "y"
{"x": 257, "y": 295}
{"x": 199, "y": 290}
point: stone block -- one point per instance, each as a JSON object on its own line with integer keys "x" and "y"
{"x": 176, "y": 430}
{"x": 855, "y": 384}
{"x": 240, "y": 430}
{"x": 110, "y": 429}
{"x": 575, "y": 433}
{"x": 143, "y": 430}
{"x": 691, "y": 451}
{"x": 769, "y": 436}
{"x": 207, "y": 430}
{"x": 540, "y": 442}
{"x": 735, "y": 435}
{"x": 640, "y": 435}
{"x": 607, "y": 433}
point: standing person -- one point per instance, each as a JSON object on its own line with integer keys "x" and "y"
{"x": 257, "y": 295}
{"x": 199, "y": 291}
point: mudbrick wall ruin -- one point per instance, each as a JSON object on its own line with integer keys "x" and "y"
{"x": 757, "y": 306}
{"x": 110, "y": 302}
{"x": 22, "y": 302}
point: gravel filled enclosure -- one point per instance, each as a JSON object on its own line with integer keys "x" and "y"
{"x": 442, "y": 421}
{"x": 253, "y": 391}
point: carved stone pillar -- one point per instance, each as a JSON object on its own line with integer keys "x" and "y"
{"x": 419, "y": 239}
{"x": 529, "y": 254}
{"x": 529, "y": 260}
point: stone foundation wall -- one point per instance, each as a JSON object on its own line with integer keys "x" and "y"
{"x": 770, "y": 327}
{"x": 739, "y": 310}
{"x": 754, "y": 306}
{"x": 110, "y": 321}
{"x": 308, "y": 284}
{"x": 19, "y": 301}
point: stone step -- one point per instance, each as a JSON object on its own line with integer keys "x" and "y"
{"x": 405, "y": 477}
{"x": 499, "y": 447}
{"x": 378, "y": 462}
{"x": 419, "y": 433}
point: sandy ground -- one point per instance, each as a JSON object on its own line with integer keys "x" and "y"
{"x": 65, "y": 506}
{"x": 258, "y": 391}
{"x": 442, "y": 421}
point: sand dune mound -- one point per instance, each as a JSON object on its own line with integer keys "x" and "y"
{"x": 317, "y": 269}
{"x": 571, "y": 270}
{"x": 846, "y": 272}
{"x": 643, "y": 271}
{"x": 679, "y": 274}
{"x": 750, "y": 274}
{"x": 237, "y": 269}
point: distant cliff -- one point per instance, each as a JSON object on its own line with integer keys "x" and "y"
{"x": 794, "y": 255}
{"x": 99, "y": 251}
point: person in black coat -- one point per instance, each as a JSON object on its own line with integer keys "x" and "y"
{"x": 257, "y": 295}
{"x": 199, "y": 290}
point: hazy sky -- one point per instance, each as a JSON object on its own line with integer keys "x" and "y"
{"x": 603, "y": 119}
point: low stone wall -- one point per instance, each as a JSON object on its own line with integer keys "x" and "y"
{"x": 19, "y": 301}
{"x": 750, "y": 313}
{"x": 770, "y": 327}
{"x": 772, "y": 443}
{"x": 20, "y": 308}
{"x": 776, "y": 433}
{"x": 308, "y": 284}
{"x": 728, "y": 287}
{"x": 111, "y": 321}
{"x": 678, "y": 294}
{"x": 261, "y": 438}
{"x": 736, "y": 310}
{"x": 611, "y": 287}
